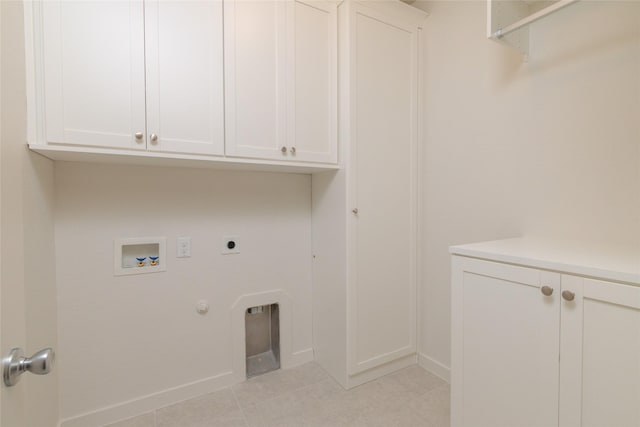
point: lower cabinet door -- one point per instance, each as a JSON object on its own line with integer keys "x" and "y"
{"x": 505, "y": 352}
{"x": 600, "y": 347}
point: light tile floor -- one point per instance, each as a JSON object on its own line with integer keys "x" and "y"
{"x": 307, "y": 396}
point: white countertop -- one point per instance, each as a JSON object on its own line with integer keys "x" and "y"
{"x": 605, "y": 261}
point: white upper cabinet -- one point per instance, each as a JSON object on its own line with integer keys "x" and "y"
{"x": 227, "y": 81}
{"x": 281, "y": 85}
{"x": 94, "y": 69}
{"x": 185, "y": 107}
{"x": 93, "y": 57}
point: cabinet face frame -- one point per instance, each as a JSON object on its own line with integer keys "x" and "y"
{"x": 348, "y": 21}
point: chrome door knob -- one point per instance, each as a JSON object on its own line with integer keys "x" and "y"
{"x": 568, "y": 295}
{"x": 283, "y": 150}
{"x": 547, "y": 291}
{"x": 15, "y": 364}
{"x": 153, "y": 138}
{"x": 355, "y": 211}
{"x": 293, "y": 150}
{"x": 139, "y": 136}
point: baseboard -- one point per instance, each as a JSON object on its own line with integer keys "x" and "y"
{"x": 150, "y": 402}
{"x": 157, "y": 400}
{"x": 375, "y": 373}
{"x": 434, "y": 367}
{"x": 301, "y": 357}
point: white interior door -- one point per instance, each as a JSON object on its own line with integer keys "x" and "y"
{"x": 28, "y": 303}
{"x": 12, "y": 300}
{"x": 184, "y": 58}
{"x": 12, "y": 304}
{"x": 94, "y": 72}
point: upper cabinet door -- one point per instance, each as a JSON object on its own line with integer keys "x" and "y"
{"x": 94, "y": 80}
{"x": 312, "y": 91}
{"x": 255, "y": 73}
{"x": 184, "y": 58}
{"x": 281, "y": 79}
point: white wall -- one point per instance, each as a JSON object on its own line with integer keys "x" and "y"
{"x": 29, "y": 316}
{"x": 546, "y": 147}
{"x": 122, "y": 338}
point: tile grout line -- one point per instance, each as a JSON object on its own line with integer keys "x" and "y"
{"x": 244, "y": 416}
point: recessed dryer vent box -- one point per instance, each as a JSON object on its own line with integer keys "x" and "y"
{"x": 140, "y": 255}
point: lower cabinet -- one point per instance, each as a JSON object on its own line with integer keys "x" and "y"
{"x": 281, "y": 80}
{"x": 532, "y": 347}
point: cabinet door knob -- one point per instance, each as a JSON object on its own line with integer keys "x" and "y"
{"x": 293, "y": 150}
{"x": 139, "y": 136}
{"x": 154, "y": 138}
{"x": 546, "y": 291}
{"x": 568, "y": 295}
{"x": 355, "y": 211}
{"x": 284, "y": 150}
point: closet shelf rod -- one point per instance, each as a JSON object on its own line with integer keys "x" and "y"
{"x": 532, "y": 18}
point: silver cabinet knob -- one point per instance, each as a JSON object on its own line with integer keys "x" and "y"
{"x": 355, "y": 211}
{"x": 139, "y": 135}
{"x": 293, "y": 150}
{"x": 568, "y": 295}
{"x": 284, "y": 150}
{"x": 546, "y": 291}
{"x": 153, "y": 138}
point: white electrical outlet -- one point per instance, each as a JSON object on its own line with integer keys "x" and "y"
{"x": 183, "y": 247}
{"x": 230, "y": 245}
